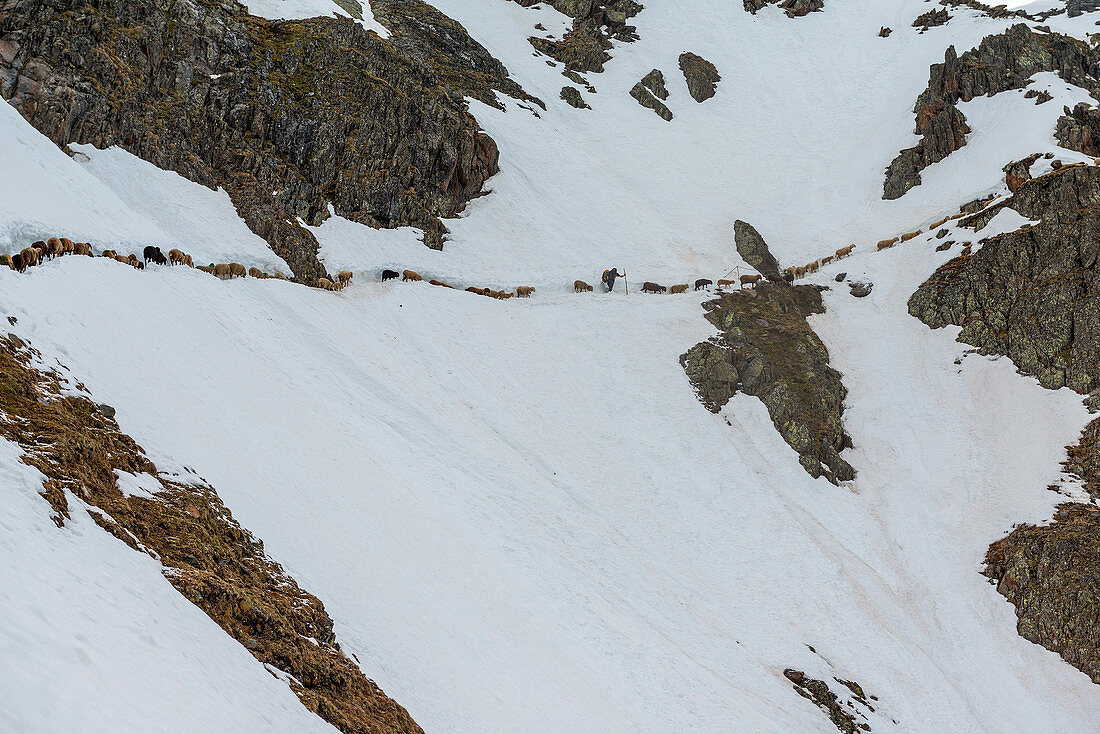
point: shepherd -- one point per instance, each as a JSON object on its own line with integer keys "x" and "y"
{"x": 609, "y": 278}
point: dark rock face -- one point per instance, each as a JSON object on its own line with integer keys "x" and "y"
{"x": 767, "y": 349}
{"x": 931, "y": 19}
{"x": 1079, "y": 7}
{"x": 650, "y": 91}
{"x": 1051, "y": 574}
{"x": 1002, "y": 62}
{"x": 1032, "y": 294}
{"x": 701, "y": 76}
{"x": 754, "y": 250}
{"x": 1079, "y": 129}
{"x": 860, "y": 289}
{"x": 1018, "y": 172}
{"x": 572, "y": 97}
{"x": 320, "y": 111}
{"x": 595, "y": 24}
{"x": 793, "y": 8}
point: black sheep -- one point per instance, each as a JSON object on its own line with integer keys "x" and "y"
{"x": 703, "y": 283}
{"x": 153, "y": 253}
{"x": 17, "y": 263}
{"x": 389, "y": 275}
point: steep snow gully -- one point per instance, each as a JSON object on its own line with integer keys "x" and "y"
{"x": 517, "y": 513}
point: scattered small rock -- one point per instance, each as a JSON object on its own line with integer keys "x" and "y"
{"x": 840, "y": 277}
{"x": 941, "y": 234}
{"x": 931, "y": 19}
{"x": 944, "y": 246}
{"x": 701, "y": 76}
{"x": 885, "y": 32}
{"x": 1056, "y": 164}
{"x": 860, "y": 289}
{"x": 106, "y": 410}
{"x": 12, "y": 320}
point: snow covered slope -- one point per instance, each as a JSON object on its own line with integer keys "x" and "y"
{"x": 517, "y": 512}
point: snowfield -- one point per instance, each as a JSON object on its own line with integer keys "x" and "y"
{"x": 518, "y": 514}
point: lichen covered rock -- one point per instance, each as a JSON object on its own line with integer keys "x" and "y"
{"x": 1002, "y": 62}
{"x": 289, "y": 117}
{"x": 701, "y": 76}
{"x": 1032, "y": 294}
{"x": 793, "y": 8}
{"x": 754, "y": 250}
{"x": 766, "y": 348}
{"x": 650, "y": 92}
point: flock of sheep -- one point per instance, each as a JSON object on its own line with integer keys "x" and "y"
{"x": 53, "y": 247}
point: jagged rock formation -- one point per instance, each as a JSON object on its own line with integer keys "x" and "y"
{"x": 1032, "y": 294}
{"x": 1051, "y": 574}
{"x": 766, "y": 348}
{"x": 842, "y": 714}
{"x": 931, "y": 19}
{"x": 793, "y": 8}
{"x": 701, "y": 76}
{"x": 595, "y": 24}
{"x": 1079, "y": 129}
{"x": 319, "y": 111}
{"x": 650, "y": 91}
{"x": 1018, "y": 172}
{"x": 207, "y": 556}
{"x": 1001, "y": 62}
{"x": 754, "y": 250}
{"x": 1079, "y": 7}
{"x": 572, "y": 97}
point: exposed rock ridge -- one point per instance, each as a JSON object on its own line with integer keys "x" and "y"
{"x": 1002, "y": 62}
{"x": 650, "y": 92}
{"x": 321, "y": 112}
{"x": 1032, "y": 294}
{"x": 702, "y": 76}
{"x": 793, "y": 8}
{"x": 596, "y": 23}
{"x": 766, "y": 348}
{"x": 207, "y": 556}
{"x": 1079, "y": 129}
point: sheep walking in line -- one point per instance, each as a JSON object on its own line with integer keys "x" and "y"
{"x": 679, "y": 288}
{"x": 579, "y": 286}
{"x": 410, "y": 275}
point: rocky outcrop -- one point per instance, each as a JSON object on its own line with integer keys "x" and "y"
{"x": 1051, "y": 574}
{"x": 1018, "y": 172}
{"x": 1079, "y": 129}
{"x": 766, "y": 348}
{"x": 573, "y": 98}
{"x": 1032, "y": 294}
{"x": 650, "y": 92}
{"x": 1001, "y": 62}
{"x": 596, "y": 23}
{"x": 931, "y": 19}
{"x": 701, "y": 76}
{"x": 206, "y": 555}
{"x": 288, "y": 117}
{"x": 845, "y": 715}
{"x": 793, "y": 8}
{"x": 754, "y": 250}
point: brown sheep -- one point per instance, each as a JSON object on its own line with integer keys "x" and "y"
{"x": 410, "y": 275}
{"x": 82, "y": 248}
{"x": 524, "y": 291}
{"x": 909, "y": 235}
{"x": 344, "y": 277}
{"x": 205, "y": 269}
{"x": 255, "y": 273}
{"x": 175, "y": 256}
{"x": 474, "y": 289}
{"x": 826, "y": 260}
{"x": 749, "y": 280}
{"x": 187, "y": 261}
{"x": 30, "y": 256}
{"x": 54, "y": 248}
{"x": 122, "y": 259}
{"x": 17, "y": 263}
{"x": 325, "y": 283}
{"x": 679, "y": 288}
{"x": 885, "y": 245}
{"x": 648, "y": 287}
{"x": 800, "y": 272}
{"x": 725, "y": 283}
{"x": 133, "y": 259}
{"x": 6, "y": 260}
{"x": 844, "y": 251}
{"x": 579, "y": 286}
{"x": 504, "y": 296}
{"x": 937, "y": 225}
{"x": 814, "y": 266}
{"x": 108, "y": 253}
{"x": 67, "y": 246}
{"x": 236, "y": 270}
{"x": 433, "y": 282}
{"x": 222, "y": 270}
